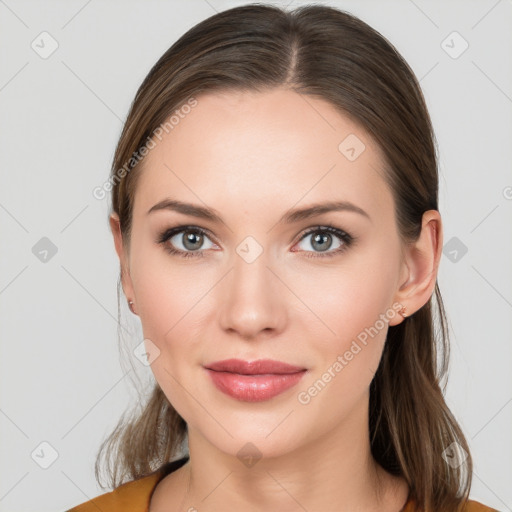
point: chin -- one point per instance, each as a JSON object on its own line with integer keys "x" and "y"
{"x": 255, "y": 435}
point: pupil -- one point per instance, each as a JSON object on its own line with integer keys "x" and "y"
{"x": 321, "y": 238}
{"x": 190, "y": 239}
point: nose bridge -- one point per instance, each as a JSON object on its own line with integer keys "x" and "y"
{"x": 252, "y": 303}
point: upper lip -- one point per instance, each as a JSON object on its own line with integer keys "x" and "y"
{"x": 260, "y": 366}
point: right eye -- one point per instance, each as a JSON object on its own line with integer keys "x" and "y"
{"x": 184, "y": 241}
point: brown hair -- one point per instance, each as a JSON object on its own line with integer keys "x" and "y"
{"x": 329, "y": 54}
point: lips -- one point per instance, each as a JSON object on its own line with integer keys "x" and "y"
{"x": 254, "y": 381}
{"x": 259, "y": 367}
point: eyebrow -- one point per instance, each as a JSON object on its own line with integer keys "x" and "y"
{"x": 289, "y": 217}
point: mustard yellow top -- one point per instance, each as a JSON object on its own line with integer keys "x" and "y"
{"x": 135, "y": 496}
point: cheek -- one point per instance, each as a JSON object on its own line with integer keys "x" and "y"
{"x": 352, "y": 309}
{"x": 167, "y": 291}
{"x": 348, "y": 297}
{"x": 355, "y": 303}
{"x": 170, "y": 296}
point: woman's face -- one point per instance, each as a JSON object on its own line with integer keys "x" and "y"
{"x": 255, "y": 284}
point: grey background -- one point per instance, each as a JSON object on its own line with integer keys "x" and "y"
{"x": 61, "y": 379}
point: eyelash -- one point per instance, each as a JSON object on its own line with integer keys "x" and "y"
{"x": 345, "y": 237}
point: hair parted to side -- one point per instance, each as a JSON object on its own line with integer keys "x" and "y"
{"x": 330, "y": 54}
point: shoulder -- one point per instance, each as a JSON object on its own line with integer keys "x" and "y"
{"x": 469, "y": 506}
{"x": 131, "y": 496}
{"x": 476, "y": 506}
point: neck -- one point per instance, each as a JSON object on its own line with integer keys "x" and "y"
{"x": 337, "y": 468}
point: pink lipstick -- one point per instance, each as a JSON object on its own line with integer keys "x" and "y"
{"x": 254, "y": 381}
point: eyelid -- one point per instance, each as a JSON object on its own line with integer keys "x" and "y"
{"x": 169, "y": 233}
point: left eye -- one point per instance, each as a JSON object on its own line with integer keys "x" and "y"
{"x": 321, "y": 239}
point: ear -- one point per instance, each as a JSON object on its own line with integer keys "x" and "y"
{"x": 420, "y": 265}
{"x": 126, "y": 281}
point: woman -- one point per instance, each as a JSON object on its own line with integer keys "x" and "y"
{"x": 275, "y": 213}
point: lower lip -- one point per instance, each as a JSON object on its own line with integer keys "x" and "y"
{"x": 254, "y": 388}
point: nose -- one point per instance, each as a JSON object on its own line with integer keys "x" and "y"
{"x": 252, "y": 299}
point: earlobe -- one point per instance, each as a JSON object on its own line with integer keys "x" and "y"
{"x": 421, "y": 262}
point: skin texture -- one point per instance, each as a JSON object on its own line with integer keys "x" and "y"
{"x": 252, "y": 157}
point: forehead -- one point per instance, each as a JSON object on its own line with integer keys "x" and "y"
{"x": 262, "y": 149}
